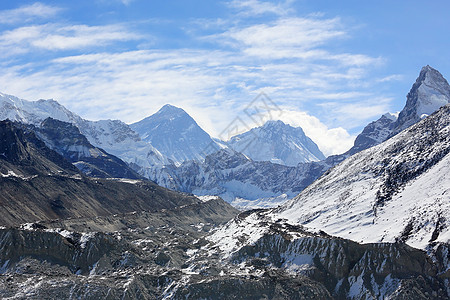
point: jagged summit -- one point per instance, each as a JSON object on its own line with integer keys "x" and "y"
{"x": 175, "y": 134}
{"x": 430, "y": 92}
{"x": 274, "y": 123}
{"x": 277, "y": 142}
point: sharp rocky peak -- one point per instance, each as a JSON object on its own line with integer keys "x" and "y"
{"x": 430, "y": 92}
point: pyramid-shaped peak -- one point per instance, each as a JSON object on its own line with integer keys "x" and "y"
{"x": 428, "y": 68}
{"x": 430, "y": 92}
{"x": 431, "y": 76}
{"x": 281, "y": 126}
{"x": 171, "y": 109}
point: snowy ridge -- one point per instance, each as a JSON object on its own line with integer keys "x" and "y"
{"x": 398, "y": 190}
{"x": 239, "y": 180}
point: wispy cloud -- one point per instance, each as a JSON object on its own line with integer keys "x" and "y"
{"x": 28, "y": 13}
{"x": 62, "y": 37}
{"x": 303, "y": 33}
{"x": 255, "y": 7}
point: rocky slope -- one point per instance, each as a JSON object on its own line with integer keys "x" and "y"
{"x": 238, "y": 179}
{"x": 348, "y": 270}
{"x": 278, "y": 143}
{"x": 170, "y": 256}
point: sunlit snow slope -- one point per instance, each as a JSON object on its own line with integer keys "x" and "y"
{"x": 398, "y": 190}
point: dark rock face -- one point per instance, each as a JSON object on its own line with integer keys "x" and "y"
{"x": 19, "y": 148}
{"x": 221, "y": 168}
{"x": 351, "y": 270}
{"x": 373, "y": 134}
{"x": 67, "y": 140}
{"x": 140, "y": 257}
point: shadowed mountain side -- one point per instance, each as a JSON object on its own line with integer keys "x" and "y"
{"x": 39, "y": 184}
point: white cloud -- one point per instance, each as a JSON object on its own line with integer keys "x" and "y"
{"x": 287, "y": 33}
{"x": 330, "y": 140}
{"x": 355, "y": 113}
{"x": 389, "y": 78}
{"x": 28, "y": 13}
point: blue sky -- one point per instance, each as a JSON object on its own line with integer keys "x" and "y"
{"x": 330, "y": 66}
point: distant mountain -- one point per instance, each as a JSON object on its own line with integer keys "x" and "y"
{"x": 430, "y": 92}
{"x": 278, "y": 143}
{"x": 374, "y": 133}
{"x": 396, "y": 191}
{"x": 113, "y": 136}
{"x": 249, "y": 184}
{"x": 176, "y": 135}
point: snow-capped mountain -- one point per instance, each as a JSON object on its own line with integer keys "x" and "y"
{"x": 430, "y": 92}
{"x": 278, "y": 143}
{"x": 247, "y": 183}
{"x": 175, "y": 134}
{"x": 396, "y": 191}
{"x": 113, "y": 136}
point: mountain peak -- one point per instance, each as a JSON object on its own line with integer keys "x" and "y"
{"x": 431, "y": 76}
{"x": 175, "y": 134}
{"x": 169, "y": 109}
{"x": 430, "y": 92}
{"x": 277, "y": 142}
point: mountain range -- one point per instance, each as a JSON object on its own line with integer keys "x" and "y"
{"x": 170, "y": 148}
{"x": 78, "y": 221}
{"x": 38, "y": 183}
